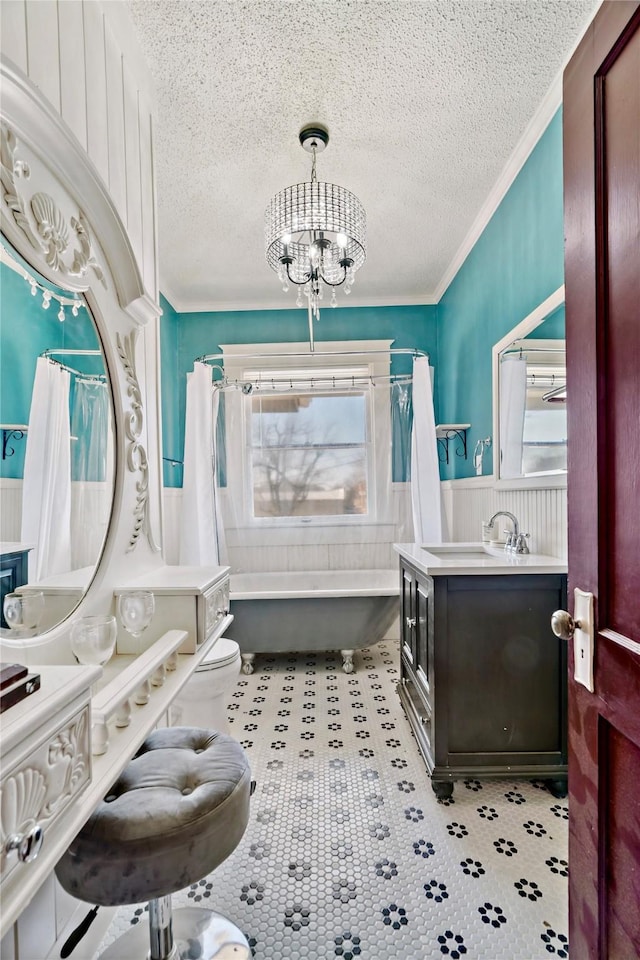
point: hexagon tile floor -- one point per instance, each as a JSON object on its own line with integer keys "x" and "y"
{"x": 349, "y": 854}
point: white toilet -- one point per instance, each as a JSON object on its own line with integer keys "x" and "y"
{"x": 202, "y": 701}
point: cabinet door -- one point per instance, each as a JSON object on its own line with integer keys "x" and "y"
{"x": 424, "y": 632}
{"x": 408, "y": 616}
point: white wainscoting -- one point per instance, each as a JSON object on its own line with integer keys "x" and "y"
{"x": 542, "y": 514}
{"x": 10, "y": 510}
{"x": 83, "y": 57}
{"x": 90, "y": 511}
{"x": 304, "y": 547}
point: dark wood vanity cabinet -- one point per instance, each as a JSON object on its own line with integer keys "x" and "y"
{"x": 13, "y": 573}
{"x": 483, "y": 678}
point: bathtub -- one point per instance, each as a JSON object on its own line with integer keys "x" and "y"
{"x": 313, "y": 610}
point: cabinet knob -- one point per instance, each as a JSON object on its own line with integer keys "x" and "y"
{"x": 27, "y": 844}
{"x": 411, "y": 622}
{"x": 563, "y": 624}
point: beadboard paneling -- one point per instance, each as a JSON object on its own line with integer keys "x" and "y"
{"x": 73, "y": 104}
{"x": 466, "y": 503}
{"x": 96, "y": 88}
{"x": 542, "y": 513}
{"x": 43, "y": 50}
{"x": 321, "y": 547}
{"x": 14, "y": 37}
{"x": 10, "y": 510}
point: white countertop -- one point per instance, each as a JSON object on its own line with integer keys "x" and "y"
{"x": 174, "y": 579}
{"x": 475, "y": 559}
{"x": 73, "y": 582}
{"x": 10, "y": 546}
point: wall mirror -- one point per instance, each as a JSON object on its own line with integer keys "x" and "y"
{"x": 529, "y": 399}
{"x": 56, "y": 429}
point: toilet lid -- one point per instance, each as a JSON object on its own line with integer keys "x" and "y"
{"x": 222, "y": 652}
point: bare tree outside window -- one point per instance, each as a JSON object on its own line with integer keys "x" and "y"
{"x": 309, "y": 455}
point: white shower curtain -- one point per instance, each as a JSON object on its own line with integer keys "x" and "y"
{"x": 201, "y": 531}
{"x": 425, "y": 470}
{"x": 513, "y": 399}
{"x": 46, "y": 488}
{"x": 90, "y": 468}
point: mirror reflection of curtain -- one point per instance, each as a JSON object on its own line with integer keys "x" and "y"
{"x": 513, "y": 399}
{"x": 201, "y": 532}
{"x": 401, "y": 424}
{"x": 425, "y": 469}
{"x": 46, "y": 488}
{"x": 89, "y": 470}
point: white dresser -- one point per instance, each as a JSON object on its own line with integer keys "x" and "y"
{"x": 195, "y": 599}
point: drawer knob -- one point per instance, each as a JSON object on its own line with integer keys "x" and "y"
{"x": 411, "y": 622}
{"x": 27, "y": 844}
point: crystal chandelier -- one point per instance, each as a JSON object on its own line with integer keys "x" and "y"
{"x": 315, "y": 234}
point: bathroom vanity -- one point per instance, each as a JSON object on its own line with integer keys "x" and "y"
{"x": 482, "y": 676}
{"x": 14, "y": 558}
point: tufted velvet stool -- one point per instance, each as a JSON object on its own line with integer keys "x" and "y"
{"x": 179, "y": 809}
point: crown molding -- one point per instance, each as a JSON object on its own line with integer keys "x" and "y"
{"x": 207, "y": 306}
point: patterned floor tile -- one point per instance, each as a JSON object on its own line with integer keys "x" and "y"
{"x": 349, "y": 854}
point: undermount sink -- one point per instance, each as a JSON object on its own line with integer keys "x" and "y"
{"x": 461, "y": 551}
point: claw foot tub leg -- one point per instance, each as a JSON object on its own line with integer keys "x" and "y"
{"x": 247, "y": 662}
{"x": 347, "y": 660}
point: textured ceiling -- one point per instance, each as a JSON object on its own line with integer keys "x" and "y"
{"x": 424, "y": 101}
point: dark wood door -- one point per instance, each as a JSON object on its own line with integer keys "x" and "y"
{"x": 602, "y": 274}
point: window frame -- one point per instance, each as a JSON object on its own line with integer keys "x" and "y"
{"x": 281, "y": 357}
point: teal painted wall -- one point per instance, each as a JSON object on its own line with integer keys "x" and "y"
{"x": 189, "y": 335}
{"x": 517, "y": 262}
{"x": 25, "y": 331}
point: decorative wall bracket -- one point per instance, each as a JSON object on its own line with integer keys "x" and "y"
{"x": 451, "y": 431}
{"x": 10, "y": 433}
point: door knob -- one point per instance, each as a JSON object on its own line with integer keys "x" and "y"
{"x": 563, "y": 624}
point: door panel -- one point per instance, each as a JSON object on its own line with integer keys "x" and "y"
{"x": 601, "y": 118}
{"x": 620, "y": 144}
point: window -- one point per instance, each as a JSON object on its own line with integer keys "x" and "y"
{"x": 307, "y": 435}
{"x": 308, "y": 452}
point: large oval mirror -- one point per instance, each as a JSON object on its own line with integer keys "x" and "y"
{"x": 57, "y": 464}
{"x": 529, "y": 395}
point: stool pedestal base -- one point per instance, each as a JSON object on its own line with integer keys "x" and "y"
{"x": 197, "y": 934}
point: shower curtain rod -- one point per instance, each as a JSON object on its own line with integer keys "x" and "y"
{"x": 391, "y": 351}
{"x": 522, "y": 350}
{"x": 309, "y": 383}
{"x": 334, "y": 380}
{"x": 48, "y": 355}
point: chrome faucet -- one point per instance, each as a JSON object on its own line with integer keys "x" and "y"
{"x": 516, "y": 541}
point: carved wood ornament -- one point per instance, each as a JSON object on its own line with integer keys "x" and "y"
{"x": 46, "y": 229}
{"x": 136, "y": 454}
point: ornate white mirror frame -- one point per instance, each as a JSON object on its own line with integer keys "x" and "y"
{"x": 57, "y": 214}
{"x": 523, "y": 329}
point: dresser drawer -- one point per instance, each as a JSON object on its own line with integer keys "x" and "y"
{"x": 42, "y": 775}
